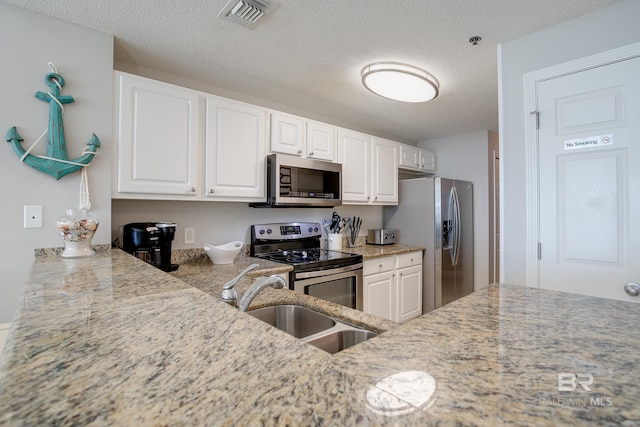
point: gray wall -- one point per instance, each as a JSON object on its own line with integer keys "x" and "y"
{"x": 465, "y": 157}
{"x": 222, "y": 222}
{"x": 603, "y": 30}
{"x": 84, "y": 58}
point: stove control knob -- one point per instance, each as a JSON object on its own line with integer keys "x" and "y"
{"x": 315, "y": 229}
{"x": 261, "y": 231}
{"x": 269, "y": 231}
{"x": 310, "y": 229}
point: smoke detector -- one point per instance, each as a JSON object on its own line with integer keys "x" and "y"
{"x": 246, "y": 12}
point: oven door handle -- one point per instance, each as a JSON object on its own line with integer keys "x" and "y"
{"x": 328, "y": 272}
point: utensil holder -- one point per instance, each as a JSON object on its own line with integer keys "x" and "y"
{"x": 334, "y": 241}
{"x": 351, "y": 240}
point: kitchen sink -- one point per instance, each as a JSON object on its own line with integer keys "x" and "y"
{"x": 294, "y": 319}
{"x": 312, "y": 327}
{"x": 341, "y": 340}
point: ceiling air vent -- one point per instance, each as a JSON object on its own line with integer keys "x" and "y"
{"x": 246, "y": 12}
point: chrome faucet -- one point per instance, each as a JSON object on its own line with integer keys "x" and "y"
{"x": 275, "y": 282}
{"x": 229, "y": 294}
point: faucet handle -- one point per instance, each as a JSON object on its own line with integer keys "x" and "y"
{"x": 229, "y": 294}
{"x": 231, "y": 283}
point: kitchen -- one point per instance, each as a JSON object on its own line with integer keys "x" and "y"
{"x": 201, "y": 218}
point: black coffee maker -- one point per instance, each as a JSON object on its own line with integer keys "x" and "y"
{"x": 151, "y": 242}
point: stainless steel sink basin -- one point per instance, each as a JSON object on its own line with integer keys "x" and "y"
{"x": 341, "y": 339}
{"x": 294, "y": 319}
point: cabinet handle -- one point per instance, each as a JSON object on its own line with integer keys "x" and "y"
{"x": 212, "y": 191}
{"x": 193, "y": 189}
{"x": 311, "y": 153}
{"x": 299, "y": 152}
{"x": 376, "y": 198}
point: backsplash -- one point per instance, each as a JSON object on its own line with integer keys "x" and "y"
{"x": 216, "y": 223}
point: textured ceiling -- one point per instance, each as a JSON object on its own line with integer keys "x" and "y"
{"x": 308, "y": 54}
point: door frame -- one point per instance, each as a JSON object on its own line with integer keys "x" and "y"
{"x": 531, "y": 80}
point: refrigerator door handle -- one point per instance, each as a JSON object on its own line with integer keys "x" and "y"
{"x": 455, "y": 205}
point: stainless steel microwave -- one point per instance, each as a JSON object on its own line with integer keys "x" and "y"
{"x": 298, "y": 182}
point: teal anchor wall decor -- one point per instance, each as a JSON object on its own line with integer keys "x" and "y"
{"x": 55, "y": 163}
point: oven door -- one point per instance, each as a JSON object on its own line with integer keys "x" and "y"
{"x": 342, "y": 285}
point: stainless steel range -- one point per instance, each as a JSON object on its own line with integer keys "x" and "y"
{"x": 329, "y": 275}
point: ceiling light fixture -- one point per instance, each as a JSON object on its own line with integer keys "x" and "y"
{"x": 400, "y": 82}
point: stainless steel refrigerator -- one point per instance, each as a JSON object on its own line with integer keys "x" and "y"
{"x": 437, "y": 213}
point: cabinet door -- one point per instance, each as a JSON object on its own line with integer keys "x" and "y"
{"x": 287, "y": 134}
{"x": 409, "y": 293}
{"x": 353, "y": 152}
{"x": 379, "y": 295}
{"x": 159, "y": 137}
{"x": 384, "y": 172}
{"x": 321, "y": 141}
{"x": 427, "y": 161}
{"x": 409, "y": 157}
{"x": 235, "y": 150}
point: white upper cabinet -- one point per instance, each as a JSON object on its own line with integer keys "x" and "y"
{"x": 369, "y": 168}
{"x": 321, "y": 141}
{"x": 159, "y": 137}
{"x": 384, "y": 169}
{"x": 427, "y": 160}
{"x": 409, "y": 157}
{"x": 235, "y": 150}
{"x": 168, "y": 148}
{"x": 298, "y": 136}
{"x": 354, "y": 151}
{"x": 417, "y": 159}
{"x": 287, "y": 134}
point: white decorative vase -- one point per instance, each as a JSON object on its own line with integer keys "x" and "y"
{"x": 77, "y": 230}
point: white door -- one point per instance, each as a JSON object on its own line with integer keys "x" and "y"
{"x": 589, "y": 181}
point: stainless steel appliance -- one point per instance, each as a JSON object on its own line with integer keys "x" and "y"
{"x": 437, "y": 213}
{"x": 298, "y": 182}
{"x": 330, "y": 275}
{"x": 381, "y": 236}
{"x": 151, "y": 242}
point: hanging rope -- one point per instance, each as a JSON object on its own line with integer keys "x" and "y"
{"x": 85, "y": 197}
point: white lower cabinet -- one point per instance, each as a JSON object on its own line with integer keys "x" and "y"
{"x": 392, "y": 286}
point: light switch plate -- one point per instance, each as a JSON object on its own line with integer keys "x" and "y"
{"x": 33, "y": 217}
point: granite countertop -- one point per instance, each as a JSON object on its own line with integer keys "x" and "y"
{"x": 377, "y": 251}
{"x": 110, "y": 340}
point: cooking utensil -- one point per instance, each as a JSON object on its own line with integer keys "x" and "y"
{"x": 335, "y": 222}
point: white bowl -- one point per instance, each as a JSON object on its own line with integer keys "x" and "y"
{"x": 223, "y": 254}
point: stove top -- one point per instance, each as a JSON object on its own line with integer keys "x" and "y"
{"x": 297, "y": 244}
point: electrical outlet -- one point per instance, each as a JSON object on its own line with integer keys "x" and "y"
{"x": 33, "y": 217}
{"x": 189, "y": 235}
